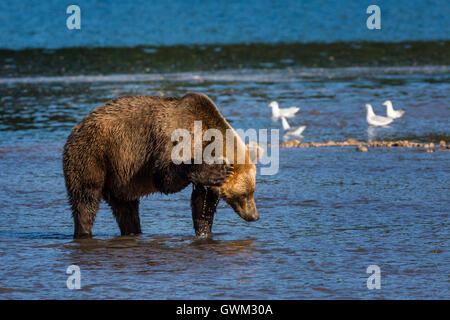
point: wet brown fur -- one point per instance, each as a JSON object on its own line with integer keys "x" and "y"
{"x": 121, "y": 151}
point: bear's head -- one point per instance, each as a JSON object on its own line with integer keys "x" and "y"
{"x": 238, "y": 191}
{"x": 238, "y": 188}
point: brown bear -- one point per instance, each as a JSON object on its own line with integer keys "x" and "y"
{"x": 121, "y": 151}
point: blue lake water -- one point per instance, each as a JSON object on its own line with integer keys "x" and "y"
{"x": 325, "y": 216}
{"x": 141, "y": 22}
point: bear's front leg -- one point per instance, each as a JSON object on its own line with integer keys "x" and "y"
{"x": 204, "y": 203}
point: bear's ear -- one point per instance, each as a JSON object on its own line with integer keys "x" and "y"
{"x": 214, "y": 174}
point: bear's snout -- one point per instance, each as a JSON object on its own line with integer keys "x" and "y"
{"x": 251, "y": 217}
{"x": 247, "y": 210}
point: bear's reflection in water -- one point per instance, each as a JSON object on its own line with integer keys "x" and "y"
{"x": 159, "y": 253}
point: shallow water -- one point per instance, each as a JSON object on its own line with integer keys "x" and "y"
{"x": 326, "y": 216}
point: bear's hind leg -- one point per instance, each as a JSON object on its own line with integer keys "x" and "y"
{"x": 204, "y": 203}
{"x": 84, "y": 209}
{"x": 126, "y": 214}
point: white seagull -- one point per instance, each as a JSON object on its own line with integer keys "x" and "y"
{"x": 375, "y": 120}
{"x": 285, "y": 112}
{"x": 291, "y": 132}
{"x": 391, "y": 113}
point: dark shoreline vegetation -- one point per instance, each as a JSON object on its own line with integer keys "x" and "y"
{"x": 183, "y": 58}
